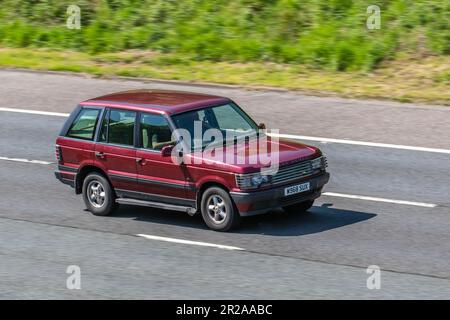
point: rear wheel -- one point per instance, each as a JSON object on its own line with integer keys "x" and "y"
{"x": 98, "y": 195}
{"x": 218, "y": 210}
{"x": 300, "y": 207}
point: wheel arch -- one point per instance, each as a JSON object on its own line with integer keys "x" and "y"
{"x": 82, "y": 174}
{"x": 204, "y": 186}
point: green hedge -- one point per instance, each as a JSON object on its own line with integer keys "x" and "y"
{"x": 321, "y": 33}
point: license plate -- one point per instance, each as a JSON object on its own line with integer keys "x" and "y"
{"x": 297, "y": 189}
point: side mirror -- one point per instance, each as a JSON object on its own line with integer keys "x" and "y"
{"x": 262, "y": 126}
{"x": 166, "y": 151}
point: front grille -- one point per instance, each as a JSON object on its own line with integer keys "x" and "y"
{"x": 284, "y": 174}
{"x": 293, "y": 172}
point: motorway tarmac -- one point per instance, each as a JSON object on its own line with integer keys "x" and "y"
{"x": 322, "y": 254}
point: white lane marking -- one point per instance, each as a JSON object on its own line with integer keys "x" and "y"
{"x": 25, "y": 160}
{"x": 351, "y": 196}
{"x": 288, "y": 136}
{"x": 195, "y": 243}
{"x": 362, "y": 143}
{"x": 43, "y": 113}
{"x": 330, "y": 194}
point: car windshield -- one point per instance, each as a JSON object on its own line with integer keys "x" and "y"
{"x": 228, "y": 119}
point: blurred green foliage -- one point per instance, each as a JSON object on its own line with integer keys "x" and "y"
{"x": 321, "y": 33}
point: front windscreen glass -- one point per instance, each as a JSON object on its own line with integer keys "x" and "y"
{"x": 228, "y": 119}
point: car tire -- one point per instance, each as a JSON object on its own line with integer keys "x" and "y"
{"x": 98, "y": 195}
{"x": 218, "y": 210}
{"x": 300, "y": 207}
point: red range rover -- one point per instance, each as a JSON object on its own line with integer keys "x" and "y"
{"x": 120, "y": 149}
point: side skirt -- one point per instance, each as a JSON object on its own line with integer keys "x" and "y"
{"x": 189, "y": 210}
{"x": 156, "y": 201}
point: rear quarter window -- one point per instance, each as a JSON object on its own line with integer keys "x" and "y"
{"x": 83, "y": 127}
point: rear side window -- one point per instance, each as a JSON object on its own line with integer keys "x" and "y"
{"x": 155, "y": 132}
{"x": 83, "y": 127}
{"x": 121, "y": 127}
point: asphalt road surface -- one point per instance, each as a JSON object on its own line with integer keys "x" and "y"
{"x": 384, "y": 206}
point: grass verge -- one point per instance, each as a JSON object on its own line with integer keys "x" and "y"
{"x": 408, "y": 79}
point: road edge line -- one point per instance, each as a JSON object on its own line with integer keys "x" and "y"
{"x": 281, "y": 135}
{"x": 361, "y": 143}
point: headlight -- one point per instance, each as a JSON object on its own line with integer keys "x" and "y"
{"x": 249, "y": 181}
{"x": 319, "y": 163}
{"x": 257, "y": 180}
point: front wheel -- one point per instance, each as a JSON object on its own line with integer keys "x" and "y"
{"x": 98, "y": 195}
{"x": 300, "y": 207}
{"x": 218, "y": 210}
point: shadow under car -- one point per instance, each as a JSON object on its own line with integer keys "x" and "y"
{"x": 276, "y": 223}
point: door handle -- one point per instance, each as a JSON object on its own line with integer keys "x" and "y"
{"x": 140, "y": 161}
{"x": 100, "y": 155}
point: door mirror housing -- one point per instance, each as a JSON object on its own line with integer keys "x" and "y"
{"x": 166, "y": 151}
{"x": 262, "y": 126}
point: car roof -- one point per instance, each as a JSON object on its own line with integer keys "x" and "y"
{"x": 160, "y": 101}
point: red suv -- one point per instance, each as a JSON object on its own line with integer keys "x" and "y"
{"x": 124, "y": 148}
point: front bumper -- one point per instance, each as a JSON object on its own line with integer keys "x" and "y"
{"x": 260, "y": 202}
